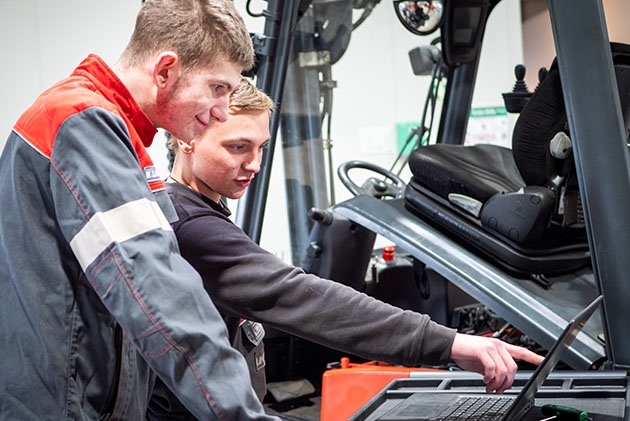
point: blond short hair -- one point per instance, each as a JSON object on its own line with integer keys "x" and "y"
{"x": 245, "y": 97}
{"x": 201, "y": 32}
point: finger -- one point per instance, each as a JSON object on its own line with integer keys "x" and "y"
{"x": 511, "y": 368}
{"x": 500, "y": 370}
{"x": 520, "y": 353}
{"x": 488, "y": 368}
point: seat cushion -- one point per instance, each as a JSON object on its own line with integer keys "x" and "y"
{"x": 478, "y": 171}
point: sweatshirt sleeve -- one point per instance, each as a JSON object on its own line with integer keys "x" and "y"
{"x": 129, "y": 254}
{"x": 245, "y": 280}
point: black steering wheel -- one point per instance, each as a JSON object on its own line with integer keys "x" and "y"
{"x": 390, "y": 187}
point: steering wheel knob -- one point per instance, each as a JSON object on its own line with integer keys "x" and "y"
{"x": 379, "y": 186}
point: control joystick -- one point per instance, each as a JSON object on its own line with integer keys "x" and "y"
{"x": 516, "y": 100}
{"x": 542, "y": 74}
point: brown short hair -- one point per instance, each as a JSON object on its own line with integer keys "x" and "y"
{"x": 201, "y": 32}
{"x": 246, "y": 96}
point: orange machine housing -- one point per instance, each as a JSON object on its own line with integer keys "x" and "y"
{"x": 348, "y": 388}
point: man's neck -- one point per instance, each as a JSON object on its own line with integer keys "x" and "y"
{"x": 178, "y": 177}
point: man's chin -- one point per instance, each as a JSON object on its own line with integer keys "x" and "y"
{"x": 236, "y": 195}
{"x": 183, "y": 135}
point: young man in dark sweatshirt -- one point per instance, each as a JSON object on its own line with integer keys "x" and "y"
{"x": 248, "y": 283}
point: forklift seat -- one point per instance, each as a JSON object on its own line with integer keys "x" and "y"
{"x": 519, "y": 208}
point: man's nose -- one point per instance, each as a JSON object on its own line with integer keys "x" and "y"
{"x": 253, "y": 164}
{"x": 219, "y": 111}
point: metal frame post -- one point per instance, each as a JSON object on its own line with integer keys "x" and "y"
{"x": 281, "y": 19}
{"x": 601, "y": 156}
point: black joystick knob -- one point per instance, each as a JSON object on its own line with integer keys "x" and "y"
{"x": 542, "y": 74}
{"x": 520, "y": 85}
{"x": 516, "y": 100}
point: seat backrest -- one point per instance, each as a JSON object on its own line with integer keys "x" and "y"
{"x": 544, "y": 117}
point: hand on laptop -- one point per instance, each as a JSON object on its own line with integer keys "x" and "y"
{"x": 492, "y": 358}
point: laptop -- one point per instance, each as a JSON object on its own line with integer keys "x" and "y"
{"x": 460, "y": 405}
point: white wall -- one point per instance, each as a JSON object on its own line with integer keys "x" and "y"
{"x": 44, "y": 40}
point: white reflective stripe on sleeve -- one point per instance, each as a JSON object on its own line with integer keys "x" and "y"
{"x": 116, "y": 225}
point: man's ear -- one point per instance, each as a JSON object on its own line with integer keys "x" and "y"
{"x": 167, "y": 69}
{"x": 184, "y": 147}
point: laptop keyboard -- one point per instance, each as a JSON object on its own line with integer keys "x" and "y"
{"x": 477, "y": 408}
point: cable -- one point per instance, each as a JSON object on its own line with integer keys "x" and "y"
{"x": 326, "y": 93}
{"x": 249, "y": 11}
{"x": 367, "y": 11}
{"x": 422, "y": 132}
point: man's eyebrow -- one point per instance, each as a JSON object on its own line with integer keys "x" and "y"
{"x": 238, "y": 139}
{"x": 225, "y": 83}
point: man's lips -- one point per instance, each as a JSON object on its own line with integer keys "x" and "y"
{"x": 244, "y": 182}
{"x": 203, "y": 123}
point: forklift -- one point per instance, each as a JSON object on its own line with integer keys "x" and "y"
{"x": 531, "y": 238}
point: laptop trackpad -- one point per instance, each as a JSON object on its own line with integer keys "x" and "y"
{"x": 420, "y": 406}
